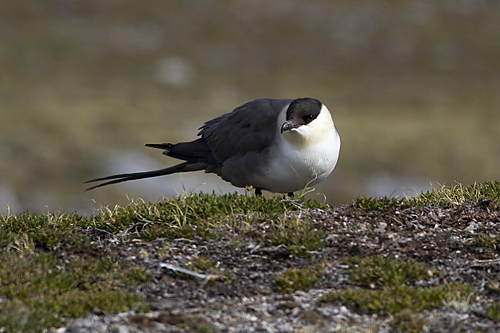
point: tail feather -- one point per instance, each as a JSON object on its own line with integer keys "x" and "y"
{"x": 165, "y": 146}
{"x": 196, "y": 151}
{"x": 115, "y": 179}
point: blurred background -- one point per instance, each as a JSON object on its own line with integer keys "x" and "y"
{"x": 413, "y": 86}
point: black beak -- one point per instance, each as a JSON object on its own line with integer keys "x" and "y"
{"x": 288, "y": 125}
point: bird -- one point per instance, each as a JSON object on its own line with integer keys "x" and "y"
{"x": 276, "y": 145}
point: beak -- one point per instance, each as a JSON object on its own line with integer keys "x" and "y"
{"x": 288, "y": 125}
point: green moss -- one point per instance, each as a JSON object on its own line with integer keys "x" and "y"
{"x": 133, "y": 275}
{"x": 381, "y": 272}
{"x": 487, "y": 241}
{"x": 406, "y": 321}
{"x": 299, "y": 236}
{"x": 387, "y": 286}
{"x": 204, "y": 262}
{"x": 204, "y": 328}
{"x": 391, "y": 300}
{"x": 493, "y": 311}
{"x": 47, "y": 230}
{"x": 42, "y": 290}
{"x": 297, "y": 279}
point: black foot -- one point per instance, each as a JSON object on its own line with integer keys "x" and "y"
{"x": 290, "y": 194}
{"x": 258, "y": 192}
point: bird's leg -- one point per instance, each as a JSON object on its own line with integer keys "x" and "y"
{"x": 258, "y": 192}
{"x": 290, "y": 194}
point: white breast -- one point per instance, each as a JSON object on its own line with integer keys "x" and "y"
{"x": 303, "y": 156}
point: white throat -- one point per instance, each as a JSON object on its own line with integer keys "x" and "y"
{"x": 303, "y": 156}
{"x": 311, "y": 134}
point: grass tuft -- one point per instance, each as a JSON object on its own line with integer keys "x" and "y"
{"x": 485, "y": 194}
{"x": 183, "y": 217}
{"x": 195, "y": 215}
{"x": 384, "y": 203}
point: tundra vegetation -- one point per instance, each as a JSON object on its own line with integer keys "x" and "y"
{"x": 399, "y": 259}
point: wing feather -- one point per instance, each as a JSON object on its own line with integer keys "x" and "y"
{"x": 250, "y": 127}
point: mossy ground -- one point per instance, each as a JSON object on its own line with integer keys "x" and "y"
{"x": 55, "y": 267}
{"x": 44, "y": 290}
{"x": 297, "y": 279}
{"x": 39, "y": 290}
{"x": 388, "y": 286}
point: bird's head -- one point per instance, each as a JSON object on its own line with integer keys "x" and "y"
{"x": 305, "y": 120}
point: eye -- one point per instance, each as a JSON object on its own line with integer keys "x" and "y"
{"x": 309, "y": 117}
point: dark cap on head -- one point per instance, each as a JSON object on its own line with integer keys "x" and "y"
{"x": 301, "y": 112}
